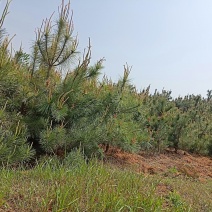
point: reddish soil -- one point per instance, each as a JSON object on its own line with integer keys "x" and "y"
{"x": 168, "y": 163}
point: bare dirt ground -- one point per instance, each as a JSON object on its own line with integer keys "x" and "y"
{"x": 168, "y": 163}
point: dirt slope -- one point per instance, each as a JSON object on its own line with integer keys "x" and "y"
{"x": 168, "y": 163}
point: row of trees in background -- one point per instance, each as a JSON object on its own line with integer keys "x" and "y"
{"x": 44, "y": 111}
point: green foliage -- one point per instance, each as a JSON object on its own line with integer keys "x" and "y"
{"x": 63, "y": 112}
{"x": 156, "y": 112}
{"x": 13, "y": 139}
{"x": 53, "y": 139}
{"x": 55, "y": 44}
{"x": 58, "y": 103}
{"x": 13, "y": 131}
{"x": 181, "y": 123}
{"x": 177, "y": 126}
{"x": 177, "y": 201}
{"x": 199, "y": 128}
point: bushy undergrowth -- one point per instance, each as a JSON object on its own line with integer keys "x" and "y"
{"x": 52, "y": 102}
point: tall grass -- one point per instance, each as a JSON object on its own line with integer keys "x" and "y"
{"x": 52, "y": 186}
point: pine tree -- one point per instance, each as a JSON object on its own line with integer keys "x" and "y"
{"x": 55, "y": 45}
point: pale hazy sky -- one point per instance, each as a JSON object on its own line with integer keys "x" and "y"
{"x": 167, "y": 42}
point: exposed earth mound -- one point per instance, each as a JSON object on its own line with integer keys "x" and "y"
{"x": 168, "y": 163}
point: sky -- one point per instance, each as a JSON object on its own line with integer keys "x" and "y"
{"x": 167, "y": 43}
